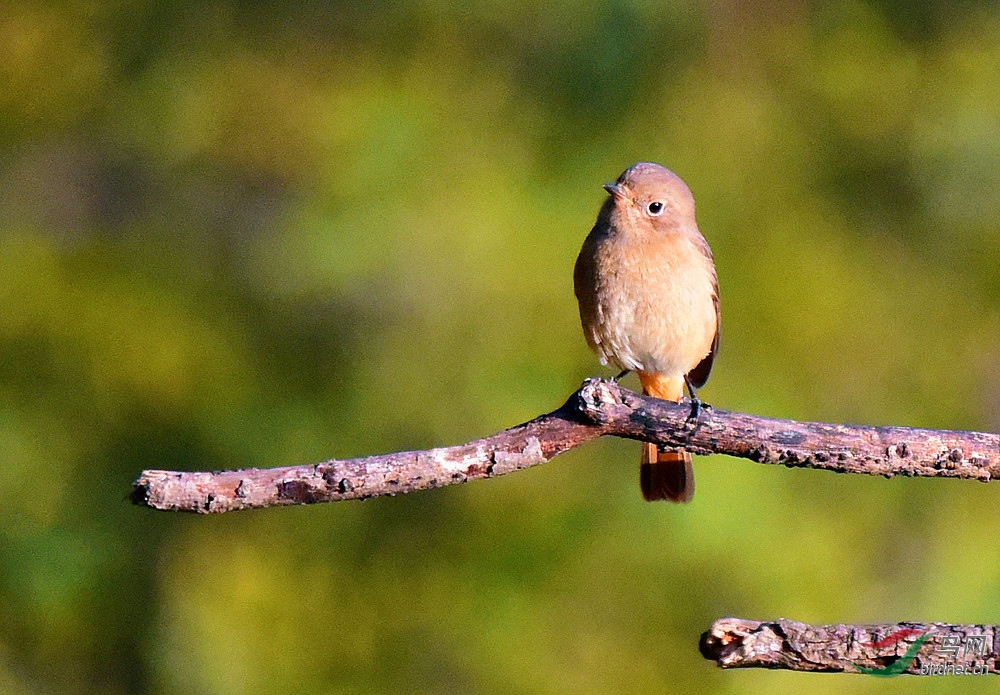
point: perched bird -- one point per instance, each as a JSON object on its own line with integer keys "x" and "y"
{"x": 649, "y": 302}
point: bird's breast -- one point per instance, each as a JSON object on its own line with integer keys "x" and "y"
{"x": 654, "y": 302}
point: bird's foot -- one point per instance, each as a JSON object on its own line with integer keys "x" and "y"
{"x": 697, "y": 405}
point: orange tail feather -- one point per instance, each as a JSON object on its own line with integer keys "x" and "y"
{"x": 664, "y": 475}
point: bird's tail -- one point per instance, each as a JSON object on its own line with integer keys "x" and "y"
{"x": 665, "y": 475}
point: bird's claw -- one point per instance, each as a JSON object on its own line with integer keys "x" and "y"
{"x": 696, "y": 407}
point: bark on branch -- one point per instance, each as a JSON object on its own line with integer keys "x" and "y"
{"x": 885, "y": 650}
{"x": 599, "y": 408}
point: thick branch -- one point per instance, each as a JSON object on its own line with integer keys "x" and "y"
{"x": 915, "y": 648}
{"x": 526, "y": 445}
{"x": 599, "y": 408}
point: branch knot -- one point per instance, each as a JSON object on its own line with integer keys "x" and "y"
{"x": 601, "y": 401}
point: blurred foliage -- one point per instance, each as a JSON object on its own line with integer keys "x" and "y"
{"x": 254, "y": 234}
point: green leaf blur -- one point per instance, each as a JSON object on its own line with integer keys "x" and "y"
{"x": 255, "y": 234}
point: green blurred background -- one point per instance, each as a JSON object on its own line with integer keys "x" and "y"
{"x": 254, "y": 234}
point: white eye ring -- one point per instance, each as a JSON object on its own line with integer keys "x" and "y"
{"x": 655, "y": 208}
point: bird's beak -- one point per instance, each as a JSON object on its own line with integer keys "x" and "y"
{"x": 616, "y": 190}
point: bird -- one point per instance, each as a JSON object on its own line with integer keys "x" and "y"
{"x": 648, "y": 293}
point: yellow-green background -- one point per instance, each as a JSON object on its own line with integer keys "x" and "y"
{"x": 253, "y": 234}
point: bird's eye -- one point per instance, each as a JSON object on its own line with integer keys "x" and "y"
{"x": 655, "y": 208}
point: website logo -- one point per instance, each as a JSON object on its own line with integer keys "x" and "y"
{"x": 946, "y": 654}
{"x": 903, "y": 662}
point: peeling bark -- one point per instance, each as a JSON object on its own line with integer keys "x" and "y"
{"x": 886, "y": 650}
{"x": 599, "y": 408}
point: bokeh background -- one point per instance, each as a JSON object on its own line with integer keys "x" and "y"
{"x": 255, "y": 234}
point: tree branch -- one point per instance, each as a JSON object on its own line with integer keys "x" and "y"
{"x": 915, "y": 648}
{"x": 599, "y": 408}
